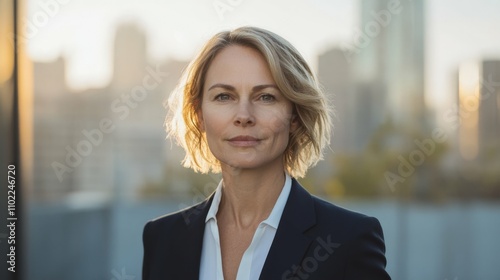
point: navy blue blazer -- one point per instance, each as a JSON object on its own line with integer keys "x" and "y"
{"x": 315, "y": 240}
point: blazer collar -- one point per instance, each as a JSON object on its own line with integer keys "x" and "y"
{"x": 194, "y": 218}
{"x": 290, "y": 242}
{"x": 289, "y": 245}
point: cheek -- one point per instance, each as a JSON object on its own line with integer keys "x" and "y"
{"x": 214, "y": 122}
{"x": 279, "y": 126}
{"x": 278, "y": 122}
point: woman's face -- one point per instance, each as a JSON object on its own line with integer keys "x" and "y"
{"x": 246, "y": 119}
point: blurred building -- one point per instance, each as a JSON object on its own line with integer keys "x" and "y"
{"x": 388, "y": 54}
{"x": 335, "y": 75}
{"x": 129, "y": 57}
{"x": 103, "y": 139}
{"x": 378, "y": 77}
{"x": 489, "y": 106}
{"x": 376, "y": 82}
{"x": 479, "y": 109}
{"x": 355, "y": 102}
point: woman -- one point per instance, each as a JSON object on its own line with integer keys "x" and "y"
{"x": 250, "y": 108}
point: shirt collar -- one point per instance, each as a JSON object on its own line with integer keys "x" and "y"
{"x": 275, "y": 216}
{"x": 215, "y": 203}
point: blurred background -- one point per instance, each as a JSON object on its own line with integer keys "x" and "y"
{"x": 416, "y": 90}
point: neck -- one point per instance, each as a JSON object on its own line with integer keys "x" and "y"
{"x": 248, "y": 196}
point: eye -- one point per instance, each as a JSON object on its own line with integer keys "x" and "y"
{"x": 222, "y": 97}
{"x": 267, "y": 97}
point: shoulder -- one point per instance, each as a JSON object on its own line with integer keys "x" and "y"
{"x": 177, "y": 221}
{"x": 172, "y": 243}
{"x": 357, "y": 239}
{"x": 348, "y": 223}
{"x": 325, "y": 218}
{"x": 328, "y": 217}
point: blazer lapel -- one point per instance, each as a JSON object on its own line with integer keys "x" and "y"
{"x": 290, "y": 242}
{"x": 190, "y": 253}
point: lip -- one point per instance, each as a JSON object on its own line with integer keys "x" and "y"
{"x": 244, "y": 141}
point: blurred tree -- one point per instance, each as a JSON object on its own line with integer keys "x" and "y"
{"x": 179, "y": 182}
{"x": 376, "y": 170}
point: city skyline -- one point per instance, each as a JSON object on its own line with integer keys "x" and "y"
{"x": 87, "y": 142}
{"x": 88, "y": 51}
{"x": 69, "y": 126}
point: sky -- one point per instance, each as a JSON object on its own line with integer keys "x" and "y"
{"x": 82, "y": 31}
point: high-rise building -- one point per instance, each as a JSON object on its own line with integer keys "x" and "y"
{"x": 479, "y": 108}
{"x": 389, "y": 54}
{"x": 489, "y": 106}
{"x": 129, "y": 57}
{"x": 334, "y": 73}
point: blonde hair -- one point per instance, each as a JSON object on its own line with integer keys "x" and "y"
{"x": 294, "y": 79}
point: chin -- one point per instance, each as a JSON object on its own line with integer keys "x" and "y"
{"x": 250, "y": 159}
{"x": 243, "y": 165}
{"x": 246, "y": 164}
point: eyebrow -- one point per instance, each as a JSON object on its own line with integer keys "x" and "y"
{"x": 231, "y": 88}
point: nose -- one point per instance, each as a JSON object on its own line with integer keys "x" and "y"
{"x": 244, "y": 115}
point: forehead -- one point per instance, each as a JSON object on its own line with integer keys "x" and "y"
{"x": 238, "y": 65}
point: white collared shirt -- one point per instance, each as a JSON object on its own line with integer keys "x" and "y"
{"x": 255, "y": 255}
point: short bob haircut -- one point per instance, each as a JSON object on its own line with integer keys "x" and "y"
{"x": 292, "y": 76}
